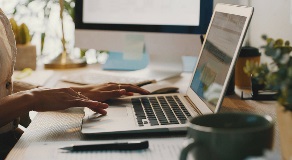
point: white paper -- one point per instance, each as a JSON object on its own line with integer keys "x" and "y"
{"x": 290, "y": 11}
{"x": 159, "y": 149}
{"x": 35, "y": 77}
{"x": 133, "y": 47}
{"x": 151, "y": 12}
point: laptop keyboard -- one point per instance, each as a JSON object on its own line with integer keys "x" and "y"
{"x": 160, "y": 110}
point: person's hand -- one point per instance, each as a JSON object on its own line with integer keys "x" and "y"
{"x": 108, "y": 91}
{"x": 63, "y": 98}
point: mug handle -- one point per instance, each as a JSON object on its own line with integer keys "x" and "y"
{"x": 190, "y": 145}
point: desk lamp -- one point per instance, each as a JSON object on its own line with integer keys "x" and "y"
{"x": 63, "y": 60}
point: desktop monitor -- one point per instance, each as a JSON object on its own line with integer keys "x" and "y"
{"x": 165, "y": 29}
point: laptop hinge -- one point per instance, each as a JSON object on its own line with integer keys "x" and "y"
{"x": 193, "y": 105}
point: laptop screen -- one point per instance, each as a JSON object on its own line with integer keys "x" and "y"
{"x": 216, "y": 57}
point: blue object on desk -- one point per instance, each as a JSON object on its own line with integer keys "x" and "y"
{"x": 116, "y": 61}
{"x": 189, "y": 63}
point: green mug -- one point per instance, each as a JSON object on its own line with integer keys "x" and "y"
{"x": 228, "y": 136}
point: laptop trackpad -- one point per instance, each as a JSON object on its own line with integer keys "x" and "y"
{"x": 112, "y": 111}
{"x": 117, "y": 111}
{"x": 118, "y": 117}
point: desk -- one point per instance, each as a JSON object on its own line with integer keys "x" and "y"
{"x": 65, "y": 125}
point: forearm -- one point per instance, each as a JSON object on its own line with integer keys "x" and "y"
{"x": 14, "y": 105}
{"x": 23, "y": 86}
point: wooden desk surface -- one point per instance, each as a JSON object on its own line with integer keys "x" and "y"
{"x": 66, "y": 125}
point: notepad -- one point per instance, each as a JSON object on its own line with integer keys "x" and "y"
{"x": 159, "y": 148}
{"x": 38, "y": 78}
{"x": 189, "y": 63}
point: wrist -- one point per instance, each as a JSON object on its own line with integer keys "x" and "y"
{"x": 29, "y": 99}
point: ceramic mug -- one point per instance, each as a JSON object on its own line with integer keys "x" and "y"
{"x": 228, "y": 136}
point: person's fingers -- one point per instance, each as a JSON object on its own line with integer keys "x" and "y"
{"x": 128, "y": 88}
{"x": 113, "y": 93}
{"x": 129, "y": 94}
{"x": 106, "y": 95}
{"x": 86, "y": 103}
{"x": 135, "y": 89}
{"x": 111, "y": 86}
{"x": 82, "y": 96}
{"x": 75, "y": 94}
{"x": 71, "y": 92}
{"x": 98, "y": 110}
{"x": 95, "y": 106}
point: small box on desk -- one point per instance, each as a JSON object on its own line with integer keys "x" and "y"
{"x": 25, "y": 57}
{"x": 116, "y": 61}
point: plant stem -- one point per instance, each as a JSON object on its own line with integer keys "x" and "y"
{"x": 61, "y": 2}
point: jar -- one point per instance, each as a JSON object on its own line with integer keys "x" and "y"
{"x": 242, "y": 80}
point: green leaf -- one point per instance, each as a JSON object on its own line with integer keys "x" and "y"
{"x": 279, "y": 42}
{"x": 24, "y": 35}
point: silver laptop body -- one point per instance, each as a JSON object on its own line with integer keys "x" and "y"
{"x": 204, "y": 95}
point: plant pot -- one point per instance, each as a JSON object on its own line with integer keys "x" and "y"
{"x": 284, "y": 120}
{"x": 26, "y": 57}
{"x": 256, "y": 86}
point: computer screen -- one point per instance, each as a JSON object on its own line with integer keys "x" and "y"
{"x": 215, "y": 61}
{"x": 170, "y": 16}
{"x": 165, "y": 27}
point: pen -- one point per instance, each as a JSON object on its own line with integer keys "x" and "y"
{"x": 140, "y": 84}
{"x": 135, "y": 145}
{"x": 202, "y": 38}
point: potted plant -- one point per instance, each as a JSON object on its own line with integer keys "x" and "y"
{"x": 26, "y": 52}
{"x": 257, "y": 74}
{"x": 43, "y": 13}
{"x": 278, "y": 76}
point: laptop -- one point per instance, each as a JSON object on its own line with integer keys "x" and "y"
{"x": 170, "y": 112}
